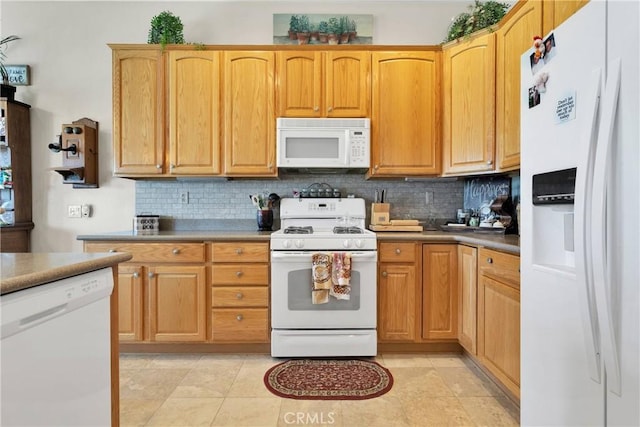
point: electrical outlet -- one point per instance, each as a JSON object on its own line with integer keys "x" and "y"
{"x": 86, "y": 211}
{"x": 428, "y": 197}
{"x": 75, "y": 211}
{"x": 184, "y": 197}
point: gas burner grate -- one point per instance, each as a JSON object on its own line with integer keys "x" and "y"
{"x": 299, "y": 230}
{"x": 347, "y": 230}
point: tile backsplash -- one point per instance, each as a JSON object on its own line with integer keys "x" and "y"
{"x": 220, "y": 199}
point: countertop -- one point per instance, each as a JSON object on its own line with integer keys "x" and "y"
{"x": 506, "y": 243}
{"x": 25, "y": 270}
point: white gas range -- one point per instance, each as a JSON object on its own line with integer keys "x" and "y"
{"x": 304, "y": 325}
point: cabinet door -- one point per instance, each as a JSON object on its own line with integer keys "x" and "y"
{"x": 405, "y": 113}
{"x": 194, "y": 113}
{"x": 299, "y": 75}
{"x": 468, "y": 287}
{"x": 249, "y": 113}
{"x": 397, "y": 302}
{"x": 177, "y": 303}
{"x": 513, "y": 38}
{"x": 439, "y": 292}
{"x": 469, "y": 106}
{"x": 138, "y": 108}
{"x": 347, "y": 87}
{"x": 130, "y": 306}
{"x": 557, "y": 11}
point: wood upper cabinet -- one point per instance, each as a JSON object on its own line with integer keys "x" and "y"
{"x": 405, "y": 113}
{"x": 467, "y": 297}
{"x": 556, "y": 12}
{"x": 248, "y": 84}
{"x": 194, "y": 112}
{"x": 138, "y": 111}
{"x": 514, "y": 37}
{"x": 439, "y": 291}
{"x": 323, "y": 84}
{"x": 399, "y": 292}
{"x": 469, "y": 106}
{"x": 499, "y": 316}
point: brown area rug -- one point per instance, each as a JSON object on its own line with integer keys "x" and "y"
{"x": 322, "y": 379}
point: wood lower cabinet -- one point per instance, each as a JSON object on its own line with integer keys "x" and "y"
{"x": 162, "y": 288}
{"x": 323, "y": 84}
{"x": 467, "y": 297}
{"x": 405, "y": 113}
{"x": 469, "y": 105}
{"x": 439, "y": 292}
{"x": 249, "y": 126}
{"x": 399, "y": 292}
{"x": 240, "y": 292}
{"x": 499, "y": 316}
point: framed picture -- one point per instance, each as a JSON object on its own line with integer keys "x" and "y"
{"x": 322, "y": 29}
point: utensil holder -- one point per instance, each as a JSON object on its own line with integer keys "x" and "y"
{"x": 380, "y": 213}
{"x": 265, "y": 219}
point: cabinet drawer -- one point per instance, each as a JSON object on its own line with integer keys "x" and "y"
{"x": 240, "y": 252}
{"x": 242, "y": 324}
{"x": 397, "y": 252}
{"x": 238, "y": 296}
{"x": 153, "y": 252}
{"x": 500, "y": 266}
{"x": 239, "y": 274}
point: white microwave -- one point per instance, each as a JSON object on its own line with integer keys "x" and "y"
{"x": 323, "y": 143}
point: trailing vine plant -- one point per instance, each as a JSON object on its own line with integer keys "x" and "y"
{"x": 481, "y": 15}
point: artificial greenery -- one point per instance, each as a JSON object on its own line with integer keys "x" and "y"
{"x": 334, "y": 26}
{"x": 481, "y": 15}
{"x": 3, "y": 45}
{"x": 166, "y": 28}
{"x": 294, "y": 23}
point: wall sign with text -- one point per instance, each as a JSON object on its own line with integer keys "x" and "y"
{"x": 19, "y": 75}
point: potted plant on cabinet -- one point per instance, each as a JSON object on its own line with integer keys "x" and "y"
{"x": 323, "y": 29}
{"x": 482, "y": 15}
{"x": 293, "y": 27}
{"x": 166, "y": 28}
{"x": 333, "y": 31}
{"x": 7, "y": 90}
{"x": 303, "y": 29}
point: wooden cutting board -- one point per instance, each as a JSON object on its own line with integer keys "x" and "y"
{"x": 392, "y": 227}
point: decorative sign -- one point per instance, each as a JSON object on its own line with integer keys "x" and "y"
{"x": 480, "y": 192}
{"x": 566, "y": 107}
{"x": 19, "y": 75}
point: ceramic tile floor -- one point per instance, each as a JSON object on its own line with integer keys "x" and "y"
{"x": 228, "y": 390}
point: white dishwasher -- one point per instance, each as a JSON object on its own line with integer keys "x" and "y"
{"x": 55, "y": 352}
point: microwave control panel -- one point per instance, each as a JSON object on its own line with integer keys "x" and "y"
{"x": 359, "y": 147}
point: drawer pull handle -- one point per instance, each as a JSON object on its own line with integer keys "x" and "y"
{"x": 238, "y": 273}
{"x": 489, "y": 260}
{"x": 398, "y": 251}
{"x": 384, "y": 274}
{"x": 176, "y": 251}
{"x": 136, "y": 275}
{"x": 239, "y": 317}
{"x": 239, "y": 295}
{"x": 239, "y": 251}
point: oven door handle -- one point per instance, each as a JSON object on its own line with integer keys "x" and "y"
{"x": 280, "y": 256}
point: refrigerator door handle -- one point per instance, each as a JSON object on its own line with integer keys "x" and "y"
{"x": 582, "y": 229}
{"x": 602, "y": 278}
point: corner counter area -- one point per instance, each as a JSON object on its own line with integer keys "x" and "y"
{"x": 60, "y": 338}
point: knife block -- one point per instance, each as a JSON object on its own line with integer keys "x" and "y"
{"x": 380, "y": 213}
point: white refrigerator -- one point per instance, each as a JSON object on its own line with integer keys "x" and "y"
{"x": 580, "y": 262}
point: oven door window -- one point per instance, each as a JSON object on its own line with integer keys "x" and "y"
{"x": 299, "y": 283}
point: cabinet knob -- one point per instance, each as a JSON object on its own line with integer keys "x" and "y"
{"x": 316, "y": 108}
{"x": 239, "y": 251}
{"x": 136, "y": 275}
{"x": 239, "y": 295}
{"x": 384, "y": 274}
{"x": 489, "y": 260}
{"x": 375, "y": 167}
{"x": 398, "y": 251}
{"x": 112, "y": 250}
{"x": 158, "y": 166}
{"x": 239, "y": 317}
{"x": 489, "y": 162}
{"x": 238, "y": 273}
{"x": 171, "y": 166}
{"x": 150, "y": 275}
{"x": 176, "y": 251}
{"x": 330, "y": 109}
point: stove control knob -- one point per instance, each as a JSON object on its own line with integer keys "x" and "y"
{"x": 286, "y": 244}
{"x": 299, "y": 244}
{"x": 359, "y": 243}
{"x": 346, "y": 243}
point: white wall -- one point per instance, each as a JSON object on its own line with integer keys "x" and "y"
{"x": 65, "y": 43}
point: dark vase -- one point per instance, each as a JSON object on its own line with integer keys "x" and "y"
{"x": 265, "y": 219}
